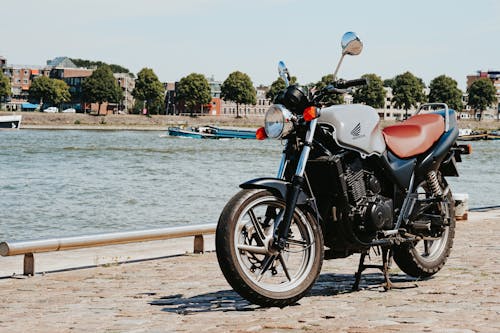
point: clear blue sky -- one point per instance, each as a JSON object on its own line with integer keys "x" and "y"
{"x": 216, "y": 37}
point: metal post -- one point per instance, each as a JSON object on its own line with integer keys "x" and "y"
{"x": 29, "y": 264}
{"x": 199, "y": 244}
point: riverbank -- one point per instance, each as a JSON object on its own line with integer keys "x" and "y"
{"x": 78, "y": 121}
{"x": 188, "y": 293}
{"x": 40, "y": 120}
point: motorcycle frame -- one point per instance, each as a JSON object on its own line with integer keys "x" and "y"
{"x": 403, "y": 173}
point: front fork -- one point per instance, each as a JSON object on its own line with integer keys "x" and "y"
{"x": 293, "y": 191}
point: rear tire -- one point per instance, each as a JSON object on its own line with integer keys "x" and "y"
{"x": 426, "y": 257}
{"x": 267, "y": 277}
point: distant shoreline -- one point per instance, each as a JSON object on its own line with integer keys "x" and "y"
{"x": 79, "y": 121}
{"x": 114, "y": 122}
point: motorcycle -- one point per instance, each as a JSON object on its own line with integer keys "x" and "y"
{"x": 343, "y": 187}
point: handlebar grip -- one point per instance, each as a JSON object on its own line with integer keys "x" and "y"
{"x": 351, "y": 83}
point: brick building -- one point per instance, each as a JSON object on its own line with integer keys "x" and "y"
{"x": 494, "y": 76}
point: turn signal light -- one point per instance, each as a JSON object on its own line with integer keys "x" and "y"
{"x": 261, "y": 134}
{"x": 310, "y": 113}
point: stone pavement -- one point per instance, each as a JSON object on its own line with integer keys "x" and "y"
{"x": 187, "y": 293}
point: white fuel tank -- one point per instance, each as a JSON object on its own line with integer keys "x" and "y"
{"x": 356, "y": 127}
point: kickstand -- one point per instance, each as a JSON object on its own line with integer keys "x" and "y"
{"x": 386, "y": 258}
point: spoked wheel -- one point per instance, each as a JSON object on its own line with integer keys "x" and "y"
{"x": 252, "y": 267}
{"x": 427, "y": 256}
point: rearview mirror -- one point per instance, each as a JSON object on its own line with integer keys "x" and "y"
{"x": 351, "y": 44}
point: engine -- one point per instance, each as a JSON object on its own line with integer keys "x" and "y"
{"x": 369, "y": 209}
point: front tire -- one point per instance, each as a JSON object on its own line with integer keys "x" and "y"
{"x": 425, "y": 258}
{"x": 257, "y": 272}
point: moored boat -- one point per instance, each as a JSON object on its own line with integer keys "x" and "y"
{"x": 212, "y": 132}
{"x": 194, "y": 132}
{"x": 10, "y": 122}
{"x": 494, "y": 135}
{"x": 233, "y": 133}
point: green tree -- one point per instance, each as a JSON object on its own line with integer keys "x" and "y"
{"x": 238, "y": 87}
{"x": 372, "y": 94}
{"x": 46, "y": 90}
{"x": 482, "y": 93}
{"x": 408, "y": 91}
{"x": 277, "y": 86}
{"x": 61, "y": 92}
{"x": 389, "y": 83}
{"x": 444, "y": 89}
{"x": 193, "y": 91}
{"x": 149, "y": 89}
{"x": 101, "y": 87}
{"x": 95, "y": 64}
{"x": 331, "y": 99}
{"x": 4, "y": 86}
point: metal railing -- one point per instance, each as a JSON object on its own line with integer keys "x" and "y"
{"x": 28, "y": 248}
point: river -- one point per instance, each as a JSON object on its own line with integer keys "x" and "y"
{"x": 62, "y": 183}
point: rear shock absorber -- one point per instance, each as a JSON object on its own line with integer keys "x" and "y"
{"x": 435, "y": 187}
{"x": 433, "y": 182}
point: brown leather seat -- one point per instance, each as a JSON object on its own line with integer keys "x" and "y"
{"x": 415, "y": 135}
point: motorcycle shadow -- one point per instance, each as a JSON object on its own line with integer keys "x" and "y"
{"x": 333, "y": 284}
{"x": 228, "y": 300}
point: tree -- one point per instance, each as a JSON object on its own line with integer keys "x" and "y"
{"x": 101, "y": 87}
{"x": 372, "y": 94}
{"x": 332, "y": 98}
{"x": 482, "y": 93}
{"x": 193, "y": 91}
{"x": 408, "y": 91}
{"x": 46, "y": 90}
{"x": 91, "y": 63}
{"x": 238, "y": 87}
{"x": 277, "y": 86}
{"x": 61, "y": 92}
{"x": 444, "y": 89}
{"x": 4, "y": 86}
{"x": 388, "y": 83}
{"x": 149, "y": 89}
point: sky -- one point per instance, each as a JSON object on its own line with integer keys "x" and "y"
{"x": 216, "y": 37}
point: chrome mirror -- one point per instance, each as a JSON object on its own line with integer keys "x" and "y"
{"x": 283, "y": 72}
{"x": 351, "y": 44}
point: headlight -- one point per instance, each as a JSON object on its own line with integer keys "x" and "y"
{"x": 278, "y": 121}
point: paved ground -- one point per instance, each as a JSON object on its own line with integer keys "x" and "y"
{"x": 188, "y": 293}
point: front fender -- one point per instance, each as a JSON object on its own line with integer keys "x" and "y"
{"x": 278, "y": 187}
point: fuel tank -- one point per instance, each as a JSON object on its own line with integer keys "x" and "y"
{"x": 356, "y": 127}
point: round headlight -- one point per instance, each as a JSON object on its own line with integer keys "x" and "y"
{"x": 278, "y": 121}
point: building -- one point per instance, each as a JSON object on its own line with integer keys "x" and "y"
{"x": 62, "y": 68}
{"x": 127, "y": 83}
{"x": 259, "y": 109}
{"x": 494, "y": 76}
{"x": 21, "y": 77}
{"x": 74, "y": 78}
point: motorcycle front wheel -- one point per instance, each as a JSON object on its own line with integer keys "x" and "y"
{"x": 251, "y": 266}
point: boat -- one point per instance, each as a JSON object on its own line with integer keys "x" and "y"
{"x": 494, "y": 135}
{"x": 233, "y": 133}
{"x": 10, "y": 122}
{"x": 467, "y": 134}
{"x": 211, "y": 132}
{"x": 193, "y": 132}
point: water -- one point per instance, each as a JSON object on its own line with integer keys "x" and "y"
{"x": 61, "y": 183}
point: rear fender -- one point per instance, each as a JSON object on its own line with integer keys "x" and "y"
{"x": 449, "y": 166}
{"x": 278, "y": 187}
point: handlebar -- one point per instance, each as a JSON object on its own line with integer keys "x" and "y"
{"x": 341, "y": 84}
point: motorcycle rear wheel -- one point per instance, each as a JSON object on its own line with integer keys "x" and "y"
{"x": 258, "y": 273}
{"x": 425, "y": 258}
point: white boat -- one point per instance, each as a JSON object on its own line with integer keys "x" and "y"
{"x": 10, "y": 122}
